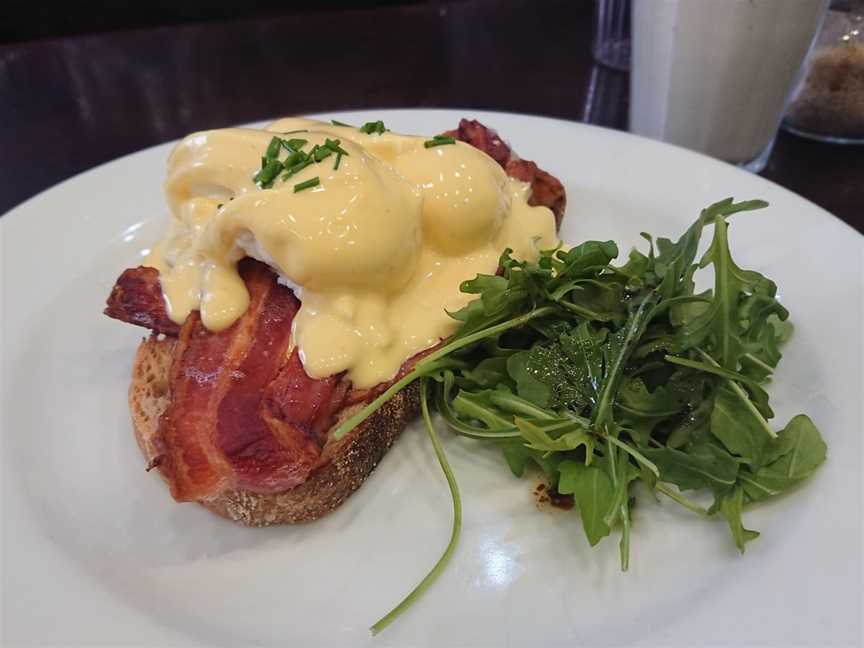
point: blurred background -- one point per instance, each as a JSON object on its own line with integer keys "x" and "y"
{"x": 83, "y": 83}
{"x": 30, "y": 20}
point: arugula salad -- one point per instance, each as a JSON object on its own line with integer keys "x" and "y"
{"x": 603, "y": 375}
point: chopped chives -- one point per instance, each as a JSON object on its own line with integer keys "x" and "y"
{"x": 293, "y": 145}
{"x": 308, "y": 184}
{"x": 294, "y": 158}
{"x": 273, "y": 148}
{"x": 268, "y": 173}
{"x": 376, "y": 127}
{"x": 297, "y": 168}
{"x": 336, "y": 122}
{"x": 439, "y": 140}
{"x": 320, "y": 152}
{"x": 333, "y": 145}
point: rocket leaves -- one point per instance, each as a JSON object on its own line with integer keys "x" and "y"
{"x": 594, "y": 494}
{"x": 730, "y": 508}
{"x": 798, "y": 451}
{"x": 627, "y": 373}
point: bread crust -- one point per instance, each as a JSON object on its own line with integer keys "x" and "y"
{"x": 343, "y": 466}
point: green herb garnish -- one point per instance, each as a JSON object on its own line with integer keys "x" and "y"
{"x": 296, "y": 159}
{"x": 293, "y": 145}
{"x": 269, "y": 170}
{"x": 297, "y": 167}
{"x": 604, "y": 375}
{"x": 334, "y": 145}
{"x": 457, "y": 520}
{"x": 318, "y": 153}
{"x": 439, "y": 140}
{"x": 307, "y": 184}
{"x": 339, "y": 123}
{"x": 273, "y": 148}
{"x": 376, "y": 127}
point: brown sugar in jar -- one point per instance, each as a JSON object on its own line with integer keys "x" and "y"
{"x": 829, "y": 103}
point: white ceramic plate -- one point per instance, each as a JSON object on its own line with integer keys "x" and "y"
{"x": 95, "y": 551}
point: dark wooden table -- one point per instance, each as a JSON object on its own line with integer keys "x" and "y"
{"x": 69, "y": 104}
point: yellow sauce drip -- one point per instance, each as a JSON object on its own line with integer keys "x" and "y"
{"x": 376, "y": 251}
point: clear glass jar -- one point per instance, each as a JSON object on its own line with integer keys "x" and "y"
{"x": 828, "y": 104}
{"x": 611, "y": 45}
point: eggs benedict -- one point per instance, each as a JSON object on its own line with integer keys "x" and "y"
{"x": 305, "y": 266}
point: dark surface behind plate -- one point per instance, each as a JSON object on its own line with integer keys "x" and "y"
{"x": 69, "y": 104}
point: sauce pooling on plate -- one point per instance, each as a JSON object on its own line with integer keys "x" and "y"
{"x": 374, "y": 237}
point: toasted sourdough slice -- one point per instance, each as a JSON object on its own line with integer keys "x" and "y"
{"x": 343, "y": 466}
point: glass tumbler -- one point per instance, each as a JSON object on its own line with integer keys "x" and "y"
{"x": 611, "y": 45}
{"x": 715, "y": 75}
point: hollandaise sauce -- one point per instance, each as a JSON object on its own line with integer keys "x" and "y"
{"x": 374, "y": 232}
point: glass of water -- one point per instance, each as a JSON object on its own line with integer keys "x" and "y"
{"x": 611, "y": 45}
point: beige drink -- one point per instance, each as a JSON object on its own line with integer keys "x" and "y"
{"x": 715, "y": 75}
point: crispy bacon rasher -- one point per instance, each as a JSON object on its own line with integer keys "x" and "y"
{"x": 137, "y": 298}
{"x": 240, "y": 414}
